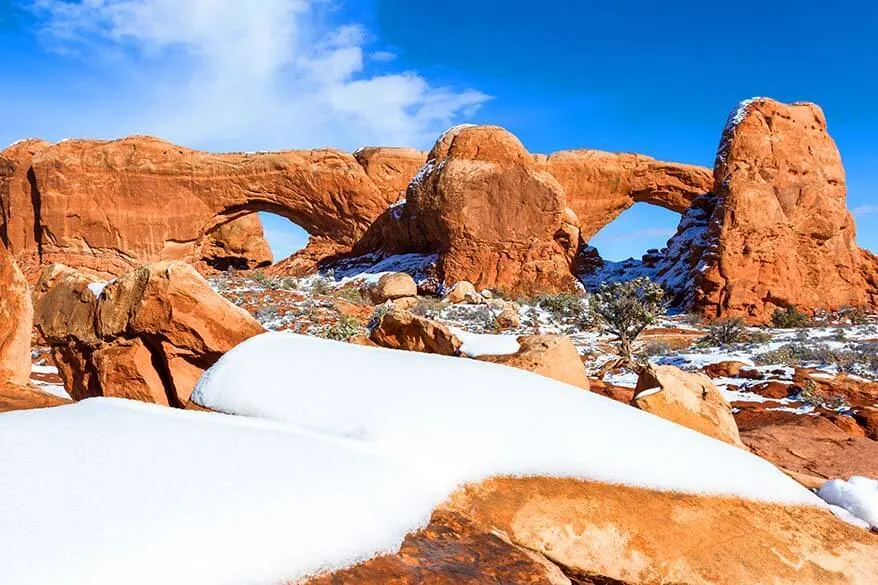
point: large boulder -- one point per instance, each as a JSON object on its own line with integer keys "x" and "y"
{"x": 19, "y": 397}
{"x": 238, "y": 244}
{"x": 392, "y": 286}
{"x": 601, "y": 533}
{"x": 553, "y": 356}
{"x": 148, "y": 335}
{"x": 777, "y": 232}
{"x": 398, "y": 329}
{"x": 16, "y": 321}
{"x": 497, "y": 220}
{"x": 687, "y": 399}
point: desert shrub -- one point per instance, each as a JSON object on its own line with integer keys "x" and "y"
{"x": 759, "y": 336}
{"x": 289, "y": 283}
{"x": 810, "y": 395}
{"x": 860, "y": 359}
{"x": 266, "y": 314}
{"x": 428, "y": 307}
{"x": 625, "y": 309}
{"x": 657, "y": 347}
{"x": 343, "y": 329}
{"x": 565, "y": 306}
{"x": 351, "y": 295}
{"x": 853, "y": 315}
{"x": 727, "y": 331}
{"x": 790, "y": 318}
{"x": 321, "y": 286}
{"x": 259, "y": 277}
{"x": 377, "y": 315}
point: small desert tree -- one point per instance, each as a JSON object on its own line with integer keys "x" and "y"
{"x": 625, "y": 309}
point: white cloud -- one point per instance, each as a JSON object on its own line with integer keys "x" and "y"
{"x": 246, "y": 75}
{"x": 865, "y": 210}
{"x": 383, "y": 56}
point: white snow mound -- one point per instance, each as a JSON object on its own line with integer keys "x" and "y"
{"x": 344, "y": 450}
{"x": 858, "y": 495}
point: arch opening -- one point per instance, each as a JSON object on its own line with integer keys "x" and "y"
{"x": 629, "y": 246}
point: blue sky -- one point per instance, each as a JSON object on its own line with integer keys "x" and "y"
{"x": 654, "y": 78}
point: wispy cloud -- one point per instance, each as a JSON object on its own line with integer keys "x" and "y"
{"x": 236, "y": 74}
{"x": 865, "y": 210}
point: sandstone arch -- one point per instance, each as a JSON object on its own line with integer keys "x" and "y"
{"x": 108, "y": 205}
{"x": 520, "y": 234}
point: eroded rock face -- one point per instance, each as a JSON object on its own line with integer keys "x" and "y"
{"x": 148, "y": 335}
{"x": 106, "y": 206}
{"x": 780, "y": 233}
{"x": 600, "y": 533}
{"x": 16, "y": 321}
{"x": 451, "y": 550}
{"x": 687, "y": 399}
{"x": 553, "y": 356}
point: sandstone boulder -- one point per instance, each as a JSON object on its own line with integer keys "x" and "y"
{"x": 687, "y": 399}
{"x": 779, "y": 234}
{"x": 463, "y": 291}
{"x": 391, "y": 286}
{"x": 508, "y": 317}
{"x": 553, "y": 356}
{"x": 612, "y": 534}
{"x": 16, "y": 321}
{"x": 237, "y": 244}
{"x": 149, "y": 335}
{"x": 402, "y": 330}
{"x": 19, "y": 397}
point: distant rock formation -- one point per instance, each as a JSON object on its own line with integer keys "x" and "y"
{"x": 776, "y": 232}
{"x": 106, "y": 206}
{"x": 500, "y": 217}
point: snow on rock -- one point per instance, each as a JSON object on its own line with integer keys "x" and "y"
{"x": 476, "y": 344}
{"x": 109, "y": 491}
{"x": 342, "y": 451}
{"x": 97, "y": 288}
{"x": 858, "y": 495}
{"x": 370, "y": 267}
{"x": 465, "y": 420}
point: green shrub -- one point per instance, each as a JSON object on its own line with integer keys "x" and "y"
{"x": 428, "y": 307}
{"x": 627, "y": 308}
{"x": 853, "y": 315}
{"x": 727, "y": 331}
{"x": 565, "y": 306}
{"x": 790, "y": 318}
{"x": 759, "y": 336}
{"x": 351, "y": 295}
{"x": 343, "y": 329}
{"x": 321, "y": 286}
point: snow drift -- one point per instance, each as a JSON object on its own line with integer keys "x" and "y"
{"x": 343, "y": 450}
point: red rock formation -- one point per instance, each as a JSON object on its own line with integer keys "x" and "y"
{"x": 780, "y": 233}
{"x": 16, "y": 321}
{"x": 149, "y": 335}
{"x": 601, "y": 185}
{"x": 503, "y": 218}
{"x": 562, "y": 531}
{"x": 107, "y": 206}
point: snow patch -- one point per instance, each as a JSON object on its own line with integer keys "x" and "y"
{"x": 97, "y": 288}
{"x": 858, "y": 495}
{"x": 476, "y": 344}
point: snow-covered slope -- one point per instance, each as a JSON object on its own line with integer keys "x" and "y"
{"x": 343, "y": 451}
{"x": 464, "y": 420}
